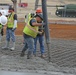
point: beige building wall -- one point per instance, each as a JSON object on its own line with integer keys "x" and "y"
{"x": 31, "y": 6}
{"x": 21, "y": 12}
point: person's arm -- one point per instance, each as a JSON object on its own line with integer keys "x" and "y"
{"x": 36, "y": 24}
{"x": 33, "y": 22}
{"x": 15, "y": 21}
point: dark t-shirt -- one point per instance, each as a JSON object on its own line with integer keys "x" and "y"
{"x": 15, "y": 17}
{"x": 32, "y": 21}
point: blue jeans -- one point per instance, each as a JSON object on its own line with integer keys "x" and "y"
{"x": 41, "y": 41}
{"x": 28, "y": 44}
{"x": 10, "y": 34}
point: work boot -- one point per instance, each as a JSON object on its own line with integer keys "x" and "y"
{"x": 29, "y": 55}
{"x": 6, "y": 46}
{"x": 22, "y": 54}
{"x": 13, "y": 47}
{"x": 43, "y": 56}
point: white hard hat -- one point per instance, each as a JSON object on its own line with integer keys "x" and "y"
{"x": 3, "y": 20}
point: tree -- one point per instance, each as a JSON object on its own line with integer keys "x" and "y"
{"x": 36, "y": 4}
{"x": 14, "y": 1}
{"x": 19, "y": 1}
{"x": 15, "y": 5}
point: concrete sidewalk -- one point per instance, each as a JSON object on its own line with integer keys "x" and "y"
{"x": 20, "y": 73}
{"x": 17, "y": 73}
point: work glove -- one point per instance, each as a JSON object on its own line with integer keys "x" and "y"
{"x": 15, "y": 25}
{"x": 40, "y": 33}
{"x": 43, "y": 24}
{"x": 13, "y": 29}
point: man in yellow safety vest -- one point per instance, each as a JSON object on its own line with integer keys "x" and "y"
{"x": 30, "y": 32}
{"x": 11, "y": 27}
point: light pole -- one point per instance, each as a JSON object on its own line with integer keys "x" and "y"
{"x": 47, "y": 33}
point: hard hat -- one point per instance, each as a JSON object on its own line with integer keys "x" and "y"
{"x": 3, "y": 20}
{"x": 38, "y": 10}
{"x": 39, "y": 15}
{"x": 11, "y": 8}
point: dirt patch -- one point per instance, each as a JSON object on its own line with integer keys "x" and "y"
{"x": 56, "y": 30}
{"x": 63, "y": 31}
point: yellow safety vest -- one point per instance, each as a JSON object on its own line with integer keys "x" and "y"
{"x": 10, "y": 22}
{"x": 30, "y": 30}
{"x": 28, "y": 17}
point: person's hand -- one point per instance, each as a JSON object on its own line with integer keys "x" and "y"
{"x": 13, "y": 29}
{"x": 43, "y": 24}
{"x": 40, "y": 33}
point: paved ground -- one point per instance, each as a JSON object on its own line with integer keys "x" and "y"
{"x": 20, "y": 73}
{"x": 63, "y": 59}
{"x": 63, "y": 51}
{"x": 17, "y": 73}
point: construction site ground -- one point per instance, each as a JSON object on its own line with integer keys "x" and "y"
{"x": 62, "y": 48}
{"x": 62, "y": 45}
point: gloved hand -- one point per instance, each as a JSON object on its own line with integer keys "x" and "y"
{"x": 40, "y": 33}
{"x": 13, "y": 29}
{"x": 43, "y": 24}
